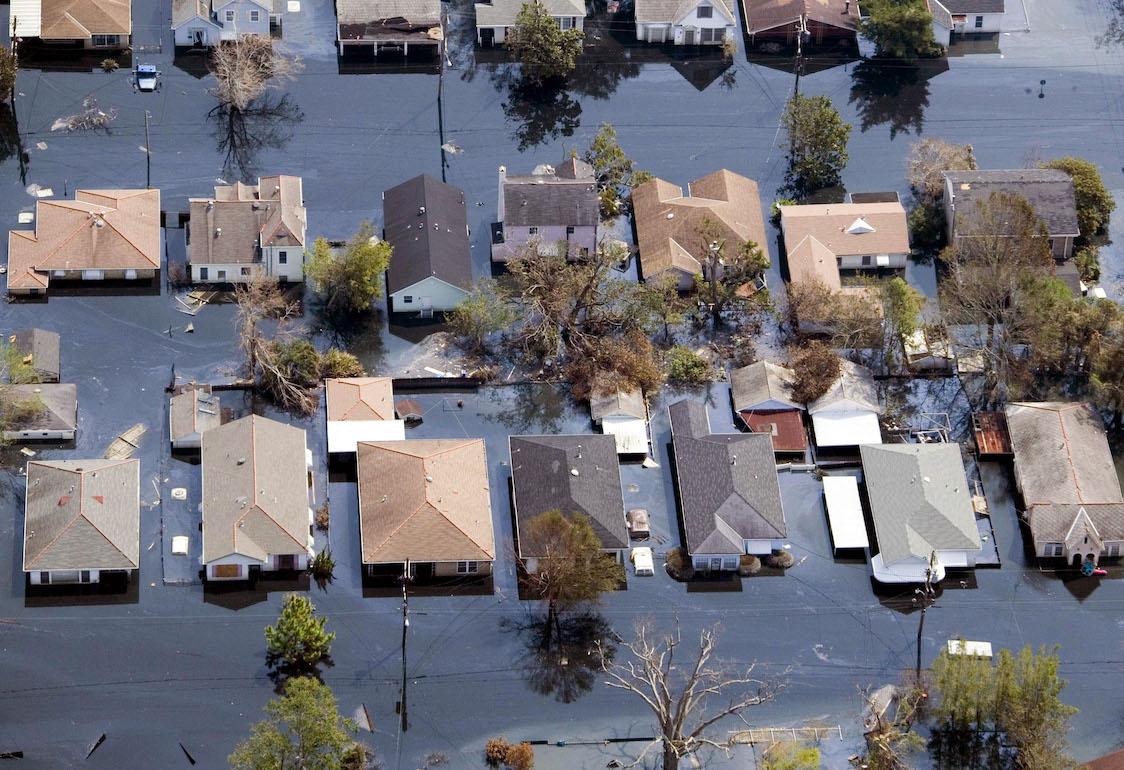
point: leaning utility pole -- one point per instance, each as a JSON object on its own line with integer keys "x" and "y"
{"x": 925, "y": 597}
{"x": 147, "y": 155}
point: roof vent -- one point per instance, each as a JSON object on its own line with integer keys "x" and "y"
{"x": 64, "y": 500}
{"x": 421, "y": 210}
{"x": 240, "y": 461}
{"x": 428, "y": 479}
{"x": 671, "y": 215}
{"x": 859, "y": 227}
{"x": 100, "y": 499}
{"x": 574, "y": 472}
{"x": 218, "y": 231}
{"x": 210, "y": 205}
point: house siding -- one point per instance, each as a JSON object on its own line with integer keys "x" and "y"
{"x": 184, "y": 34}
{"x": 516, "y": 237}
{"x": 687, "y": 31}
{"x": 40, "y": 435}
{"x": 69, "y": 577}
{"x": 500, "y": 32}
{"x": 442, "y": 296}
{"x": 241, "y": 24}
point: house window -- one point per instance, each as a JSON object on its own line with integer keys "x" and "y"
{"x": 222, "y": 275}
{"x": 699, "y": 564}
{"x": 282, "y": 257}
{"x": 979, "y": 22}
{"x": 255, "y": 15}
{"x": 1053, "y": 549}
{"x": 227, "y": 570}
{"x": 45, "y": 578}
{"x": 1113, "y": 549}
{"x": 104, "y": 41}
{"x": 408, "y": 299}
{"x": 467, "y": 567}
{"x": 566, "y": 22}
{"x": 569, "y": 230}
{"x": 866, "y": 260}
{"x": 713, "y": 34}
{"x": 705, "y": 12}
{"x": 84, "y": 576}
{"x": 533, "y": 230}
{"x": 731, "y": 563}
{"x": 202, "y": 274}
{"x": 245, "y": 271}
{"x": 230, "y": 16}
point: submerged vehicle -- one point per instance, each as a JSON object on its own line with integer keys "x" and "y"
{"x": 147, "y": 77}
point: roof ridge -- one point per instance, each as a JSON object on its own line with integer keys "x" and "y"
{"x": 445, "y": 516}
{"x": 382, "y": 445}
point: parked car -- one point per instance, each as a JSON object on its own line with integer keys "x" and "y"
{"x": 638, "y": 528}
{"x": 642, "y": 563}
{"x": 148, "y": 77}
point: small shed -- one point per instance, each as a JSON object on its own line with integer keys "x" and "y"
{"x": 360, "y": 409}
{"x": 844, "y": 513}
{"x": 40, "y": 349}
{"x": 624, "y": 415}
{"x": 847, "y": 414}
{"x": 51, "y": 413}
{"x": 192, "y": 410}
{"x": 762, "y": 397}
{"x": 993, "y": 439}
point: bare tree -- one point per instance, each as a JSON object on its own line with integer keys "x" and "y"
{"x": 245, "y": 67}
{"x": 687, "y": 700}
{"x": 256, "y": 302}
{"x": 927, "y": 161}
{"x": 726, "y": 275}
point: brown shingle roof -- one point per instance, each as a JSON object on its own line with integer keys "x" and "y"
{"x": 424, "y": 500}
{"x": 668, "y": 222}
{"x": 770, "y": 14}
{"x": 193, "y": 410}
{"x": 82, "y": 514}
{"x": 848, "y": 229}
{"x": 79, "y": 19}
{"x": 98, "y": 230}
{"x": 359, "y": 398}
{"x": 43, "y": 348}
{"x": 229, "y": 228}
{"x": 60, "y": 402}
{"x": 255, "y": 490}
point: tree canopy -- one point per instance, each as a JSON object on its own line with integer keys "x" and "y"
{"x": 817, "y": 144}
{"x": 899, "y": 29}
{"x": 816, "y": 368}
{"x": 353, "y": 279}
{"x": 299, "y": 638}
{"x": 485, "y": 310}
{"x": 545, "y": 50}
{"x": 1094, "y": 202}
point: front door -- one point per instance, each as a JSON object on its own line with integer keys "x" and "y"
{"x": 422, "y": 570}
{"x": 198, "y": 38}
{"x": 287, "y": 562}
{"x": 487, "y": 37}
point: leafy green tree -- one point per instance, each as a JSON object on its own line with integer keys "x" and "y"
{"x": 611, "y": 166}
{"x": 1094, "y": 202}
{"x": 660, "y": 302}
{"x": 303, "y": 730}
{"x": 352, "y": 280}
{"x": 900, "y": 29}
{"x": 1088, "y": 262}
{"x": 1108, "y": 374}
{"x": 339, "y": 363}
{"x": 570, "y": 568}
{"x": 545, "y": 50}
{"x": 726, "y": 271}
{"x": 789, "y": 755}
{"x": 686, "y": 367}
{"x": 817, "y": 144}
{"x": 901, "y": 313}
{"x": 15, "y": 367}
{"x": 299, "y": 638}
{"x": 9, "y": 67}
{"x": 486, "y": 310}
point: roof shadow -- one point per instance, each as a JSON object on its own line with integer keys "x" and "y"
{"x": 238, "y": 595}
{"x": 115, "y": 588}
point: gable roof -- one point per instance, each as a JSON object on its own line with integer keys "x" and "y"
{"x": 79, "y": 19}
{"x": 359, "y": 398}
{"x": 502, "y": 13}
{"x": 810, "y": 260}
{"x": 673, "y": 11}
{"x": 60, "y": 403}
{"x": 98, "y": 230}
{"x": 424, "y": 500}
{"x": 1049, "y": 191}
{"x": 229, "y": 227}
{"x": 616, "y": 402}
{"x": 42, "y": 346}
{"x": 425, "y": 221}
{"x": 194, "y": 409}
{"x": 1062, "y": 453}
{"x": 973, "y": 6}
{"x": 762, "y": 382}
{"x": 855, "y": 383}
{"x": 572, "y": 474}
{"x": 566, "y": 195}
{"x": 848, "y": 229}
{"x": 668, "y": 222}
{"x": 762, "y": 15}
{"x": 728, "y": 487}
{"x": 82, "y": 514}
{"x": 184, "y": 11}
{"x": 919, "y": 500}
{"x": 255, "y": 490}
{"x": 376, "y": 19}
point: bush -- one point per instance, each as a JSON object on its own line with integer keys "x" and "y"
{"x": 520, "y": 756}
{"x": 495, "y": 751}
{"x": 338, "y": 363}
{"x": 678, "y": 564}
{"x": 323, "y": 565}
{"x": 322, "y": 517}
{"x": 816, "y": 368}
{"x": 775, "y": 209}
{"x": 749, "y": 564}
{"x": 781, "y": 560}
{"x": 686, "y": 367}
{"x": 1088, "y": 261}
{"x": 109, "y": 65}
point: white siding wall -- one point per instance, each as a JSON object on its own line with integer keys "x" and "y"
{"x": 242, "y": 24}
{"x": 683, "y": 35}
{"x": 855, "y": 262}
{"x": 224, "y": 273}
{"x": 442, "y": 296}
{"x": 185, "y": 33}
{"x": 63, "y": 577}
{"x": 39, "y": 435}
{"x": 500, "y": 33}
{"x": 761, "y": 547}
{"x": 292, "y": 270}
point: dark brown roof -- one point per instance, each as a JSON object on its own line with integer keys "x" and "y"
{"x": 424, "y": 220}
{"x": 43, "y": 347}
{"x": 565, "y": 197}
{"x": 769, "y": 14}
{"x": 1048, "y": 190}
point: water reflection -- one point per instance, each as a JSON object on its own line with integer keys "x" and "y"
{"x": 530, "y": 408}
{"x": 540, "y": 113}
{"x": 267, "y": 124}
{"x": 565, "y": 664}
{"x": 894, "y": 92}
{"x": 281, "y": 672}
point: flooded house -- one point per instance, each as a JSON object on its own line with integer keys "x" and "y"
{"x": 101, "y": 235}
{"x": 623, "y": 414}
{"x": 762, "y": 398}
{"x": 965, "y": 17}
{"x": 192, "y": 410}
{"x": 425, "y": 508}
{"x": 555, "y": 209}
{"x": 922, "y": 511}
{"x": 495, "y": 17}
{"x": 425, "y": 222}
{"x": 729, "y": 494}
{"x": 40, "y": 412}
{"x": 105, "y": 25}
{"x": 856, "y": 236}
{"x": 668, "y": 222}
{"x": 360, "y": 409}
{"x": 388, "y": 25}
{"x": 257, "y": 488}
{"x": 781, "y": 21}
{"x": 684, "y": 22}
{"x": 847, "y": 415}
{"x": 248, "y": 233}
{"x": 206, "y": 23}
{"x": 82, "y": 520}
{"x": 571, "y": 474}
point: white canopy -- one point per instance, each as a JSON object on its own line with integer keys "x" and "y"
{"x": 343, "y": 435}
{"x": 631, "y": 434}
{"x": 845, "y": 512}
{"x": 846, "y": 428}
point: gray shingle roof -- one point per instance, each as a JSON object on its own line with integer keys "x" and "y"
{"x": 973, "y": 6}
{"x": 43, "y": 347}
{"x": 502, "y": 13}
{"x": 919, "y": 500}
{"x": 617, "y": 403}
{"x": 424, "y": 220}
{"x": 1053, "y": 522}
{"x": 60, "y": 402}
{"x": 728, "y": 487}
{"x": 542, "y": 474}
{"x": 759, "y": 383}
{"x": 855, "y": 383}
{"x": 82, "y": 514}
{"x": 420, "y": 12}
{"x": 1048, "y": 190}
{"x": 552, "y": 199}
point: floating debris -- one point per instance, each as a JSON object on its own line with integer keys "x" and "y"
{"x": 38, "y": 191}
{"x": 452, "y": 148}
{"x": 27, "y": 452}
{"x": 193, "y": 301}
{"x": 123, "y": 446}
{"x": 94, "y": 746}
{"x": 40, "y": 145}
{"x": 187, "y": 753}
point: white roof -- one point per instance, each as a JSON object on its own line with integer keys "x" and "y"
{"x": 631, "y": 434}
{"x": 846, "y": 428}
{"x": 904, "y": 570}
{"x": 343, "y": 435}
{"x": 845, "y": 512}
{"x": 965, "y": 647}
{"x": 27, "y": 14}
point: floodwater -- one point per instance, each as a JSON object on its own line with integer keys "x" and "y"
{"x": 167, "y": 664}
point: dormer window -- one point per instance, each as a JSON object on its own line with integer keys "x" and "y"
{"x": 705, "y": 12}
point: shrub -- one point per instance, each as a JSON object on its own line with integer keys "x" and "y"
{"x": 322, "y": 517}
{"x": 520, "y": 756}
{"x": 687, "y": 367}
{"x": 816, "y": 368}
{"x": 775, "y": 209}
{"x": 1088, "y": 261}
{"x": 678, "y": 564}
{"x": 323, "y": 565}
{"x": 109, "y": 65}
{"x": 339, "y": 363}
{"x": 749, "y": 564}
{"x": 781, "y": 560}
{"x": 495, "y": 751}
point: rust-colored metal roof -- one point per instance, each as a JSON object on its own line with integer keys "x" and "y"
{"x": 786, "y": 428}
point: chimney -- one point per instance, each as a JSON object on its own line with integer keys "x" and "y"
{"x": 499, "y": 205}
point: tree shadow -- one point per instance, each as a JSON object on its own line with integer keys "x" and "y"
{"x": 565, "y": 664}
{"x": 267, "y": 124}
{"x": 530, "y": 407}
{"x": 893, "y": 92}
{"x": 280, "y": 672}
{"x": 969, "y": 749}
{"x": 539, "y": 113}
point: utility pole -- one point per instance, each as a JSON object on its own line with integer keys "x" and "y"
{"x": 405, "y": 627}
{"x": 798, "y": 65}
{"x": 926, "y": 597}
{"x": 147, "y": 155}
{"x": 440, "y": 95}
